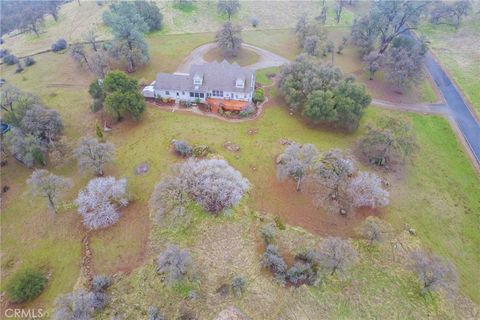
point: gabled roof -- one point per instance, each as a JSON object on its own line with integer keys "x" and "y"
{"x": 216, "y": 76}
{"x": 223, "y": 75}
{"x": 167, "y": 81}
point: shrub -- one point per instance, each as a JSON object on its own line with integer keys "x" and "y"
{"x": 238, "y": 285}
{"x": 249, "y": 110}
{"x": 273, "y": 261}
{"x": 175, "y": 263}
{"x": 29, "y": 61}
{"x": 268, "y": 233}
{"x": 99, "y": 300}
{"x": 254, "y": 21}
{"x": 75, "y": 305}
{"x": 279, "y": 223}
{"x": 301, "y": 272}
{"x": 59, "y": 45}
{"x": 3, "y": 52}
{"x": 201, "y": 151}
{"x": 26, "y": 285}
{"x": 258, "y": 95}
{"x": 101, "y": 283}
{"x": 10, "y": 59}
{"x": 19, "y": 67}
{"x": 155, "y": 314}
{"x": 375, "y": 230}
{"x": 336, "y": 255}
{"x": 182, "y": 148}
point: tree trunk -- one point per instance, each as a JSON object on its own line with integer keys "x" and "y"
{"x": 51, "y": 203}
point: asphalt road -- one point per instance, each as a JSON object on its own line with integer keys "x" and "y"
{"x": 457, "y": 108}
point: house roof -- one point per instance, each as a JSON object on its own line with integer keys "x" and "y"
{"x": 216, "y": 76}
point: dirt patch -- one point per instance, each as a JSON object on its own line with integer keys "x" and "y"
{"x": 230, "y": 146}
{"x": 297, "y": 209}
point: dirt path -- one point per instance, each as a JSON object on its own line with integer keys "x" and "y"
{"x": 267, "y": 58}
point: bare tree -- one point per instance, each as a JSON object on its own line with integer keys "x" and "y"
{"x": 48, "y": 185}
{"x": 296, "y": 162}
{"x": 76, "y": 305}
{"x": 213, "y": 183}
{"x": 94, "y": 155}
{"x": 91, "y": 36}
{"x": 99, "y": 202}
{"x": 99, "y": 64}
{"x": 331, "y": 177}
{"x": 336, "y": 255}
{"x": 375, "y": 230}
{"x": 79, "y": 55}
{"x": 338, "y": 8}
{"x": 433, "y": 272}
{"x": 229, "y": 39}
{"x": 366, "y": 190}
{"x": 403, "y": 67}
{"x": 450, "y": 13}
{"x": 372, "y": 63}
{"x": 175, "y": 263}
{"x": 229, "y": 7}
{"x": 390, "y": 141}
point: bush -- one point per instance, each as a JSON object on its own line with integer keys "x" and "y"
{"x": 74, "y": 305}
{"x": 254, "y": 21}
{"x": 10, "y": 59}
{"x": 19, "y": 67}
{"x": 268, "y": 233}
{"x": 59, "y": 45}
{"x": 201, "y": 151}
{"x": 238, "y": 285}
{"x": 175, "y": 263}
{"x": 279, "y": 223}
{"x": 273, "y": 261}
{"x": 155, "y": 314}
{"x": 29, "y": 61}
{"x": 26, "y": 285}
{"x": 101, "y": 283}
{"x": 249, "y": 110}
{"x": 301, "y": 272}
{"x": 258, "y": 95}
{"x": 3, "y": 52}
{"x": 99, "y": 300}
{"x": 182, "y": 148}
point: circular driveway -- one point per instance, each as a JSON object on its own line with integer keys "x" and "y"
{"x": 267, "y": 58}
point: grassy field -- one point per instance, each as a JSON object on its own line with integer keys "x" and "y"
{"x": 459, "y": 52}
{"x": 436, "y": 195}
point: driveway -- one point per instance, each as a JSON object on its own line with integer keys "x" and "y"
{"x": 458, "y": 109}
{"x": 267, "y": 58}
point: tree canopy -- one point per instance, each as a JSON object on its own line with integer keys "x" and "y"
{"x": 229, "y": 39}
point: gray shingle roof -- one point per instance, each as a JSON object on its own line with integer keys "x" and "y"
{"x": 216, "y": 76}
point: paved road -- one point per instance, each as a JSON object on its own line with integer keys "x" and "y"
{"x": 267, "y": 58}
{"x": 457, "y": 107}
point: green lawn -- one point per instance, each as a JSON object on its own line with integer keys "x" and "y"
{"x": 262, "y": 75}
{"x": 458, "y": 51}
{"x": 436, "y": 195}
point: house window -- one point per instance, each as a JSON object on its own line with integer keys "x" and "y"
{"x": 201, "y": 95}
{"x": 178, "y": 94}
{"x": 183, "y": 93}
{"x": 197, "y": 95}
{"x": 191, "y": 94}
{"x": 167, "y": 92}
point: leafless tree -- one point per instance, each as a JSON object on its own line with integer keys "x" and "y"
{"x": 336, "y": 255}
{"x": 91, "y": 36}
{"x": 372, "y": 63}
{"x": 366, "y": 190}
{"x": 99, "y": 202}
{"x": 375, "y": 230}
{"x": 433, "y": 272}
{"x": 229, "y": 7}
{"x": 175, "y": 263}
{"x": 48, "y": 185}
{"x": 92, "y": 154}
{"x": 229, "y": 39}
{"x": 296, "y": 162}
